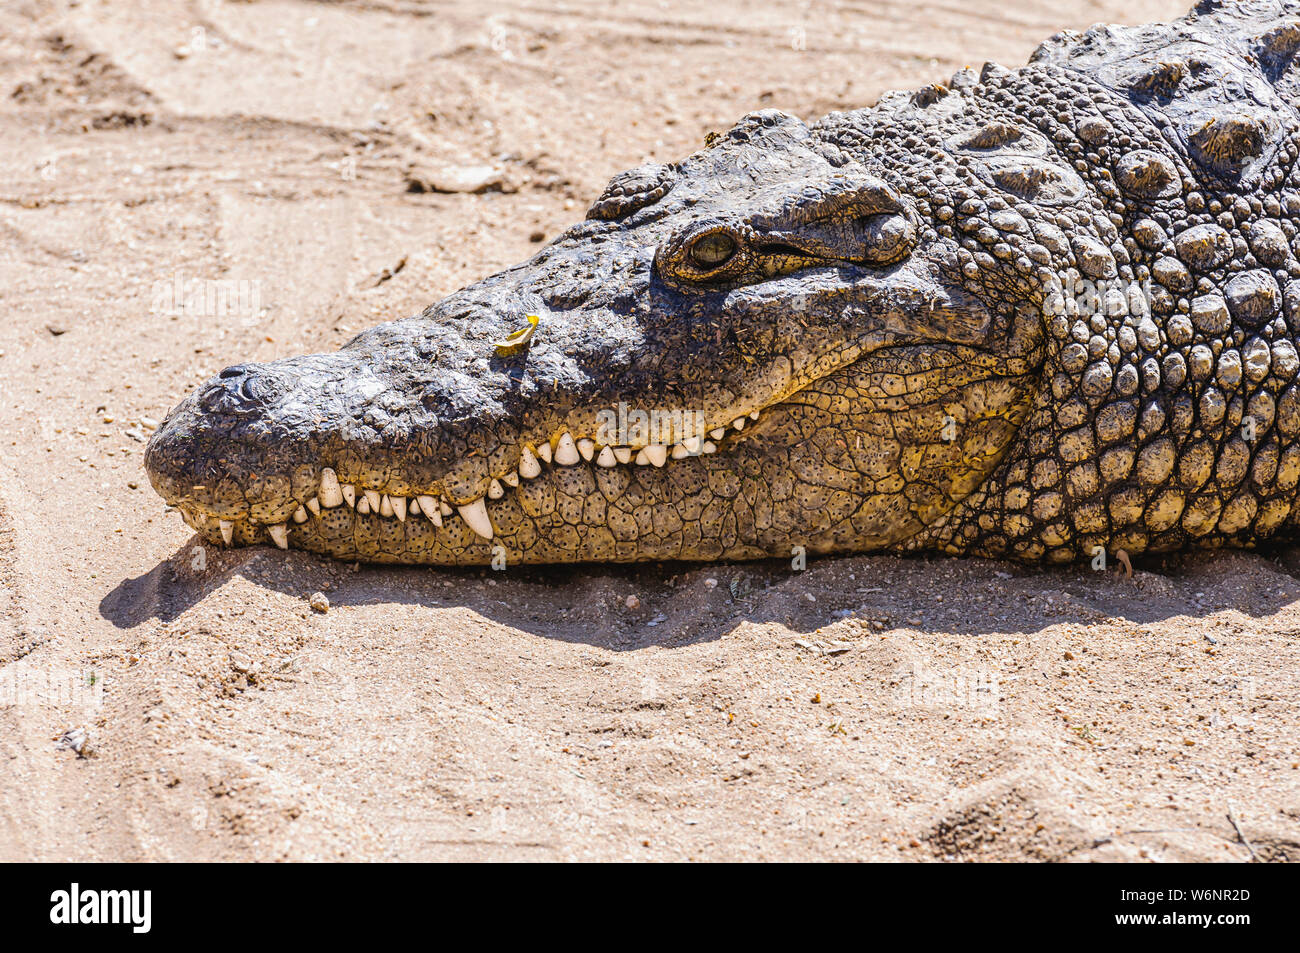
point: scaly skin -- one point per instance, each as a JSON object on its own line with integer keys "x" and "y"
{"x": 902, "y": 295}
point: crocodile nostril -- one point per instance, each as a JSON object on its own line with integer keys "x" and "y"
{"x": 238, "y": 388}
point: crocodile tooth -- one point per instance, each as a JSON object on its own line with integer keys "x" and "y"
{"x": 413, "y": 507}
{"x": 692, "y": 444}
{"x": 349, "y": 495}
{"x": 496, "y": 490}
{"x": 399, "y": 507}
{"x": 544, "y": 451}
{"x": 528, "y": 465}
{"x": 385, "y": 506}
{"x": 655, "y": 453}
{"x": 372, "y": 497}
{"x": 280, "y": 533}
{"x": 429, "y": 507}
{"x": 623, "y": 454}
{"x": 566, "y": 453}
{"x": 330, "y": 494}
{"x": 739, "y": 423}
{"x": 363, "y": 506}
{"x": 719, "y": 433}
{"x": 606, "y": 458}
{"x": 442, "y": 505}
{"x": 587, "y": 447}
{"x": 300, "y": 515}
{"x": 512, "y": 479}
{"x": 709, "y": 447}
{"x": 753, "y": 415}
{"x": 680, "y": 452}
{"x": 314, "y": 505}
{"x": 227, "y": 531}
{"x": 475, "y": 516}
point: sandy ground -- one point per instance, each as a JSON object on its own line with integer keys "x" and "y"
{"x": 865, "y": 708}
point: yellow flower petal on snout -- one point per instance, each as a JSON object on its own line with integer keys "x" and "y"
{"x": 517, "y": 339}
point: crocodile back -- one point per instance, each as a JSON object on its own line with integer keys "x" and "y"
{"x": 1221, "y": 84}
{"x": 1157, "y": 159}
{"x": 1178, "y": 422}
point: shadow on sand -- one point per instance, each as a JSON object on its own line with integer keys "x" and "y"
{"x": 673, "y": 604}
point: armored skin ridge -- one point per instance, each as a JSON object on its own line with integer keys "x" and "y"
{"x": 1031, "y": 313}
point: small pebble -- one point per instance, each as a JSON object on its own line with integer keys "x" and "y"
{"x": 320, "y": 602}
{"x": 76, "y": 740}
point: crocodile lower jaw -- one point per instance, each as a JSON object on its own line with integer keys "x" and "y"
{"x": 562, "y": 450}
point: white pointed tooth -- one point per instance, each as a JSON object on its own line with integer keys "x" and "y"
{"x": 511, "y": 479}
{"x": 429, "y": 507}
{"x": 623, "y": 454}
{"x": 330, "y": 493}
{"x": 587, "y": 448}
{"x": 566, "y": 452}
{"x": 413, "y": 506}
{"x": 496, "y": 490}
{"x": 385, "y": 506}
{"x": 693, "y": 444}
{"x": 739, "y": 423}
{"x": 300, "y": 515}
{"x": 680, "y": 452}
{"x": 657, "y": 453}
{"x": 528, "y": 465}
{"x": 314, "y": 505}
{"x": 227, "y": 531}
{"x": 399, "y": 507}
{"x": 753, "y": 415}
{"x": 280, "y": 533}
{"x": 709, "y": 447}
{"x": 606, "y": 458}
{"x": 642, "y": 459}
{"x": 544, "y": 451}
{"x": 349, "y": 495}
{"x": 372, "y": 497}
{"x": 363, "y": 506}
{"x": 719, "y": 433}
{"x": 442, "y": 505}
{"x": 475, "y": 516}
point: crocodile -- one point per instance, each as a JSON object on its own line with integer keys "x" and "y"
{"x": 1039, "y": 314}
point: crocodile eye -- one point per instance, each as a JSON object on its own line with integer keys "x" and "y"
{"x": 888, "y": 237}
{"x": 712, "y": 250}
{"x": 704, "y": 255}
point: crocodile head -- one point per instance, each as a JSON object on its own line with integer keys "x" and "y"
{"x": 778, "y": 342}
